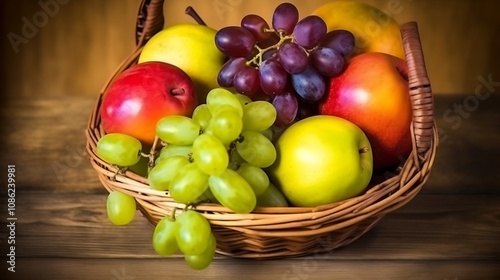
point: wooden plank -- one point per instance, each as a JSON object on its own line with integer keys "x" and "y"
{"x": 469, "y": 135}
{"x": 431, "y": 227}
{"x": 45, "y": 139}
{"x": 130, "y": 269}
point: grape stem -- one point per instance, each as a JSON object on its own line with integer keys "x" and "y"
{"x": 152, "y": 153}
{"x": 232, "y": 148}
{"x": 119, "y": 170}
{"x": 172, "y": 216}
{"x": 257, "y": 59}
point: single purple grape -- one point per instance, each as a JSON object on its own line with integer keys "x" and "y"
{"x": 309, "y": 84}
{"x": 257, "y": 26}
{"x": 247, "y": 81}
{"x": 328, "y": 62}
{"x": 286, "y": 105}
{"x": 273, "y": 78}
{"x": 235, "y": 41}
{"x": 309, "y": 31}
{"x": 292, "y": 57}
{"x": 339, "y": 40}
{"x": 285, "y": 17}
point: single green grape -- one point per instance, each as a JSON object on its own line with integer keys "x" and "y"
{"x": 255, "y": 176}
{"x": 193, "y": 233}
{"x": 162, "y": 174}
{"x": 120, "y": 208}
{"x": 258, "y": 115}
{"x": 203, "y": 260}
{"x": 256, "y": 149}
{"x": 210, "y": 154}
{"x": 177, "y": 130}
{"x": 233, "y": 191}
{"x": 226, "y": 125}
{"x": 217, "y": 98}
{"x": 272, "y": 197}
{"x": 202, "y": 115}
{"x": 119, "y": 149}
{"x": 188, "y": 184}
{"x": 164, "y": 237}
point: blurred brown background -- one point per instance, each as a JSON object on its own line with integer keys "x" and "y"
{"x": 76, "y": 44}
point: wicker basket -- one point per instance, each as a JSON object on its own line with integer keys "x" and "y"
{"x": 271, "y": 232}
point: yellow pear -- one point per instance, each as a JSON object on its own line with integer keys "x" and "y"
{"x": 190, "y": 47}
{"x": 373, "y": 30}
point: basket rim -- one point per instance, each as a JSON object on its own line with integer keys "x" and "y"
{"x": 418, "y": 165}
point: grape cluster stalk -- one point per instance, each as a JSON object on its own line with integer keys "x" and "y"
{"x": 289, "y": 64}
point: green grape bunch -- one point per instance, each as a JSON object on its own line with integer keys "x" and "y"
{"x": 217, "y": 155}
{"x": 222, "y": 150}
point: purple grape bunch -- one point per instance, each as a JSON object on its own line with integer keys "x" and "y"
{"x": 290, "y": 63}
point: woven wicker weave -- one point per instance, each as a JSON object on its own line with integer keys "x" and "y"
{"x": 271, "y": 232}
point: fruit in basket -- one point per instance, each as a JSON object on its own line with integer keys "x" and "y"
{"x": 373, "y": 93}
{"x": 193, "y": 232}
{"x": 190, "y": 47}
{"x": 233, "y": 191}
{"x": 144, "y": 93}
{"x": 272, "y": 197}
{"x": 164, "y": 237}
{"x": 164, "y": 171}
{"x": 289, "y": 62}
{"x": 373, "y": 29}
{"x": 119, "y": 149}
{"x": 322, "y": 159}
{"x": 220, "y": 150}
{"x": 189, "y": 233}
{"x": 120, "y": 208}
{"x": 203, "y": 260}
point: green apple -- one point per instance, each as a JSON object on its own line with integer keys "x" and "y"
{"x": 320, "y": 160}
{"x": 190, "y": 47}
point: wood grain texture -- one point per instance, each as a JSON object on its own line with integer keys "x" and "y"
{"x": 45, "y": 138}
{"x": 75, "y": 50}
{"x": 63, "y": 235}
{"x": 130, "y": 269}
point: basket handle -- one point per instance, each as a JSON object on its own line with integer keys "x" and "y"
{"x": 420, "y": 88}
{"x": 150, "y": 20}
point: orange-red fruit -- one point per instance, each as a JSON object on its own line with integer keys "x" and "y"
{"x": 373, "y": 93}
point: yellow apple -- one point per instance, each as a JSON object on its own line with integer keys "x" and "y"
{"x": 373, "y": 30}
{"x": 190, "y": 47}
{"x": 320, "y": 160}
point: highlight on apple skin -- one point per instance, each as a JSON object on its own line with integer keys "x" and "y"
{"x": 143, "y": 94}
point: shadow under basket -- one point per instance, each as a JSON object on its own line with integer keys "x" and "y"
{"x": 278, "y": 232}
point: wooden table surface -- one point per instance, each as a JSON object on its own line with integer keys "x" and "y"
{"x": 451, "y": 230}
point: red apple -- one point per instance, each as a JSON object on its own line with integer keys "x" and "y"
{"x": 373, "y": 93}
{"x": 142, "y": 95}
